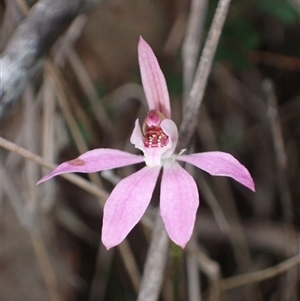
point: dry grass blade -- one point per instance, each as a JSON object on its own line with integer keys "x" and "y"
{"x": 210, "y": 267}
{"x": 70, "y": 119}
{"x": 46, "y": 266}
{"x": 9, "y": 189}
{"x": 80, "y": 182}
{"x": 227, "y": 211}
{"x": 191, "y": 44}
{"x": 87, "y": 85}
{"x": 281, "y": 162}
{"x": 258, "y": 276}
{"x": 281, "y": 156}
{"x": 130, "y": 264}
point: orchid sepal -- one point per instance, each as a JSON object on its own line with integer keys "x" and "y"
{"x": 120, "y": 217}
{"x": 93, "y": 161}
{"x": 220, "y": 164}
{"x": 154, "y": 82}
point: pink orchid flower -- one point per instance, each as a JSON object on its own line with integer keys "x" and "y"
{"x": 157, "y": 139}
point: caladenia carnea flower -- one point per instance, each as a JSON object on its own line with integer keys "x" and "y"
{"x": 157, "y": 139}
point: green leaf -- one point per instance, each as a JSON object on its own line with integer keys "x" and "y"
{"x": 279, "y": 9}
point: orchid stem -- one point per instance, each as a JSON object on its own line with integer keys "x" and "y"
{"x": 155, "y": 263}
{"x": 157, "y": 254}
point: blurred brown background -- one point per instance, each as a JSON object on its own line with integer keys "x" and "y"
{"x": 88, "y": 95}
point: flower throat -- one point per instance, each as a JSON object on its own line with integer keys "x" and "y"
{"x": 154, "y": 136}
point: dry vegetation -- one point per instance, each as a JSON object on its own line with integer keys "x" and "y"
{"x": 85, "y": 94}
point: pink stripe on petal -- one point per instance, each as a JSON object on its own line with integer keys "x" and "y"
{"x": 221, "y": 164}
{"x": 126, "y": 205}
{"x": 179, "y": 201}
{"x": 153, "y": 80}
{"x": 95, "y": 160}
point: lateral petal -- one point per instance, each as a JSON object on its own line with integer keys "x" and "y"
{"x": 170, "y": 128}
{"x": 137, "y": 137}
{"x": 179, "y": 200}
{"x": 220, "y": 164}
{"x": 126, "y": 205}
{"x": 93, "y": 161}
{"x": 153, "y": 80}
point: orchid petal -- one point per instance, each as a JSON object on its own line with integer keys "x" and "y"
{"x": 137, "y": 137}
{"x": 95, "y": 160}
{"x": 153, "y": 80}
{"x": 170, "y": 129}
{"x": 126, "y": 205}
{"x": 220, "y": 164}
{"x": 179, "y": 200}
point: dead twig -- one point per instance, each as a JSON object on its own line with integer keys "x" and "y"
{"x": 197, "y": 91}
{"x": 235, "y": 281}
{"x": 80, "y": 182}
{"x": 46, "y": 21}
{"x": 155, "y": 263}
{"x": 192, "y": 42}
